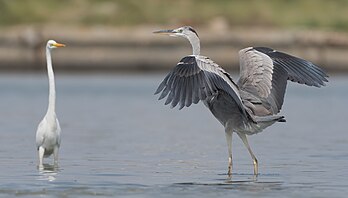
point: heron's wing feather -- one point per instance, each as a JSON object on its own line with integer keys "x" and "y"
{"x": 299, "y": 70}
{"x": 264, "y": 73}
{"x": 196, "y": 78}
{"x": 261, "y": 82}
{"x": 219, "y": 78}
{"x": 256, "y": 70}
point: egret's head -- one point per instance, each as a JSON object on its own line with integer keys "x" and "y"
{"x": 51, "y": 44}
{"x": 185, "y": 31}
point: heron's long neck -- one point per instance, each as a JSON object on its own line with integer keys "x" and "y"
{"x": 52, "y": 90}
{"x": 196, "y": 47}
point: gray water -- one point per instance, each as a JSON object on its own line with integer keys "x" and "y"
{"x": 119, "y": 140}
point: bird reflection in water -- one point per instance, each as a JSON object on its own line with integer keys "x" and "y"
{"x": 48, "y": 172}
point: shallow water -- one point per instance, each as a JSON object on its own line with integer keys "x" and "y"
{"x": 117, "y": 139}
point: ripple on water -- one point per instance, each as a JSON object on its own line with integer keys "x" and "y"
{"x": 118, "y": 140}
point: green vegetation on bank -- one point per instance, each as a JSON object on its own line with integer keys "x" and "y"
{"x": 318, "y": 14}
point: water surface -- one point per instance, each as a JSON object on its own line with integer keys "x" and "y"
{"x": 117, "y": 139}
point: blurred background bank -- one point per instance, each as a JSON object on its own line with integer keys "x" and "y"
{"x": 104, "y": 35}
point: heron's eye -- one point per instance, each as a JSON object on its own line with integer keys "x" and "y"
{"x": 180, "y": 30}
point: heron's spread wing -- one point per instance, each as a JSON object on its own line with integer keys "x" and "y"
{"x": 196, "y": 78}
{"x": 264, "y": 73}
{"x": 256, "y": 70}
{"x": 299, "y": 70}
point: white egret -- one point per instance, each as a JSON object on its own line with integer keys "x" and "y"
{"x": 48, "y": 131}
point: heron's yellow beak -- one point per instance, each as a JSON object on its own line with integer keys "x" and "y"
{"x": 58, "y": 45}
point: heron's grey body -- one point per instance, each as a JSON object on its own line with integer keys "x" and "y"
{"x": 246, "y": 107}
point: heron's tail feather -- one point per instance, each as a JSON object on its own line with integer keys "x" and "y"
{"x": 272, "y": 118}
{"x": 282, "y": 119}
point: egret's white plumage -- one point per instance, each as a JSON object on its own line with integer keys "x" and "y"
{"x": 48, "y": 131}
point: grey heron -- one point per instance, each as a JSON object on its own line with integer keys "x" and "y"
{"x": 48, "y": 131}
{"x": 246, "y": 107}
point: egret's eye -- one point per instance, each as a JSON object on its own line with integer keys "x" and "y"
{"x": 180, "y": 30}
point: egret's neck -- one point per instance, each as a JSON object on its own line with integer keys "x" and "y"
{"x": 52, "y": 90}
{"x": 196, "y": 47}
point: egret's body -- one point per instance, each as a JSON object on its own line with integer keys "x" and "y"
{"x": 246, "y": 107}
{"x": 48, "y": 132}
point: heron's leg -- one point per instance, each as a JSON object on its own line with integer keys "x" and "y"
{"x": 246, "y": 143}
{"x": 41, "y": 152}
{"x": 229, "y": 145}
{"x": 55, "y": 155}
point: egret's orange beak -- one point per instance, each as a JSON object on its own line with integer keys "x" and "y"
{"x": 58, "y": 45}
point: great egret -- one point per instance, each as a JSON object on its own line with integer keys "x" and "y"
{"x": 48, "y": 131}
{"x": 246, "y": 107}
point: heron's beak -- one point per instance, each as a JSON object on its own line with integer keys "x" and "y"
{"x": 58, "y": 45}
{"x": 165, "y": 32}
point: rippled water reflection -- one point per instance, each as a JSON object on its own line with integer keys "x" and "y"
{"x": 117, "y": 139}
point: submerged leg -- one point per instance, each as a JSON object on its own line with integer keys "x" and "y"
{"x": 55, "y": 155}
{"x": 229, "y": 145}
{"x": 246, "y": 143}
{"x": 41, "y": 152}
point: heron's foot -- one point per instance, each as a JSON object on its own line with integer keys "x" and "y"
{"x": 229, "y": 173}
{"x": 256, "y": 167}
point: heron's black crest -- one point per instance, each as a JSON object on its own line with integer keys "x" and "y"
{"x": 194, "y": 31}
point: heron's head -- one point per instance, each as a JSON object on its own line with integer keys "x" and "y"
{"x": 51, "y": 44}
{"x": 185, "y": 31}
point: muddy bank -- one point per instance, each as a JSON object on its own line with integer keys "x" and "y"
{"x": 137, "y": 49}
